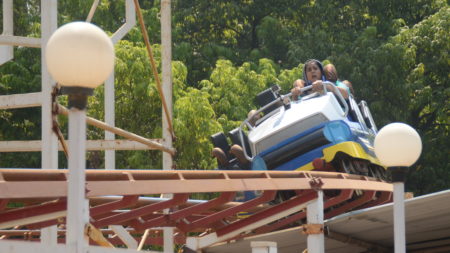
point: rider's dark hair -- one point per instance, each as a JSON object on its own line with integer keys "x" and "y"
{"x": 318, "y": 64}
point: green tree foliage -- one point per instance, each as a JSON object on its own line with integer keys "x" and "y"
{"x": 228, "y": 86}
{"x": 136, "y": 98}
{"x": 406, "y": 79}
{"x": 20, "y": 76}
{"x": 284, "y": 31}
{"x": 194, "y": 123}
{"x": 229, "y": 30}
{"x": 219, "y": 106}
{"x": 427, "y": 82}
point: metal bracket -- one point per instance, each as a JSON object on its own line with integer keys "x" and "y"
{"x": 316, "y": 183}
{"x": 312, "y": 229}
{"x": 97, "y": 236}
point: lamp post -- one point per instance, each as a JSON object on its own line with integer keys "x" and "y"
{"x": 80, "y": 57}
{"x": 398, "y": 146}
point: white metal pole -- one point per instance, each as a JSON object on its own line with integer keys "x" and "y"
{"x": 314, "y": 215}
{"x": 166, "y": 55}
{"x": 6, "y": 52}
{"x": 399, "y": 217}
{"x": 49, "y": 139}
{"x": 110, "y": 155}
{"x": 166, "y": 52}
{"x": 49, "y": 153}
{"x": 263, "y": 247}
{"x": 110, "y": 100}
{"x": 77, "y": 207}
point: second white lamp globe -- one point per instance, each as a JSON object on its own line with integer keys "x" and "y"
{"x": 80, "y": 54}
{"x": 398, "y": 144}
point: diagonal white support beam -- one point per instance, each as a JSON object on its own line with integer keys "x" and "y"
{"x": 121, "y": 132}
{"x": 123, "y": 234}
{"x": 92, "y": 11}
{"x": 130, "y": 22}
{"x": 34, "y": 219}
{"x": 197, "y": 243}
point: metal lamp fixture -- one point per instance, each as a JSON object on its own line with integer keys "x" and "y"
{"x": 80, "y": 57}
{"x": 398, "y": 146}
{"x": 80, "y": 54}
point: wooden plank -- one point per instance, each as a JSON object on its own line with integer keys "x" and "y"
{"x": 91, "y": 145}
{"x": 33, "y": 189}
{"x": 94, "y": 122}
{"x": 20, "y": 100}
{"x": 41, "y": 189}
{"x": 35, "y": 247}
{"x": 32, "y": 219}
{"x": 20, "y": 41}
{"x": 101, "y": 188}
{"x": 143, "y": 182}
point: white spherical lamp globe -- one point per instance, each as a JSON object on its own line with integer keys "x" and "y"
{"x": 398, "y": 145}
{"x": 80, "y": 54}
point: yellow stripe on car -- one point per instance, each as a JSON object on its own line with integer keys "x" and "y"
{"x": 350, "y": 148}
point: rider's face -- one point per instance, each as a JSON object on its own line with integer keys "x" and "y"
{"x": 313, "y": 72}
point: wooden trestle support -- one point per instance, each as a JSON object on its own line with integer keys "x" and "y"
{"x": 121, "y": 206}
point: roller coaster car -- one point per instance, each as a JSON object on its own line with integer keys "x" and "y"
{"x": 317, "y": 132}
